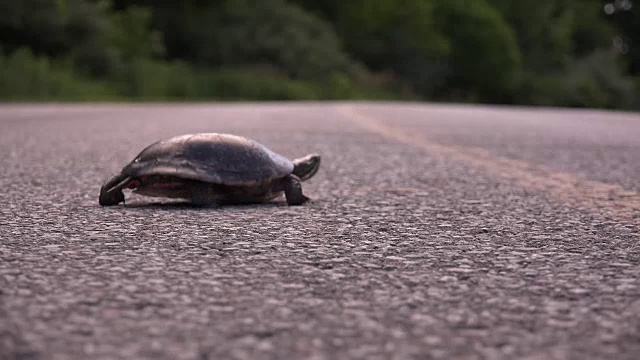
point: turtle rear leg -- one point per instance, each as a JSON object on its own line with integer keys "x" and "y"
{"x": 111, "y": 191}
{"x": 305, "y": 167}
{"x": 293, "y": 191}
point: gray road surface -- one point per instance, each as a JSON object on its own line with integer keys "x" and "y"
{"x": 435, "y": 232}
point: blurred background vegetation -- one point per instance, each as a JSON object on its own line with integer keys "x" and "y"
{"x": 580, "y": 53}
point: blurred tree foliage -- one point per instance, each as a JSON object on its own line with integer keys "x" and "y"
{"x": 485, "y": 60}
{"x": 250, "y": 32}
{"x": 397, "y": 36}
{"x": 548, "y": 52}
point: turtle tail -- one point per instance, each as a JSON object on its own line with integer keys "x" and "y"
{"x": 111, "y": 191}
{"x": 305, "y": 167}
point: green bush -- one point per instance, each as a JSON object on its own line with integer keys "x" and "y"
{"x": 485, "y": 58}
{"x": 157, "y": 80}
{"x": 593, "y": 81}
{"x": 546, "y": 52}
{"x": 252, "y": 84}
{"x": 275, "y": 32}
{"x": 399, "y": 36}
{"x": 24, "y": 76}
{"x": 146, "y": 80}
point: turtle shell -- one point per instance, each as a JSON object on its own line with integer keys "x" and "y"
{"x": 210, "y": 157}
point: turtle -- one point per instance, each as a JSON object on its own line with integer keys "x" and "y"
{"x": 212, "y": 169}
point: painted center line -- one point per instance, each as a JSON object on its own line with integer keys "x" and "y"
{"x": 608, "y": 200}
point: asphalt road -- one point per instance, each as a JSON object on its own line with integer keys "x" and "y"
{"x": 435, "y": 231}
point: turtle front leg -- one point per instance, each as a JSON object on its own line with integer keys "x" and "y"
{"x": 111, "y": 191}
{"x": 293, "y": 191}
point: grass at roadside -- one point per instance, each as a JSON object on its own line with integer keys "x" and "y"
{"x": 26, "y": 77}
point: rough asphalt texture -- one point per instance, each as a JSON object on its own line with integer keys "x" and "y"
{"x": 402, "y": 254}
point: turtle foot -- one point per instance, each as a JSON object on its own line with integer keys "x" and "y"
{"x": 293, "y": 191}
{"x": 111, "y": 198}
{"x": 111, "y": 191}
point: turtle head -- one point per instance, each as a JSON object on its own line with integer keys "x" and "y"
{"x": 305, "y": 167}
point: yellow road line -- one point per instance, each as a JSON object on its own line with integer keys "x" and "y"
{"x": 608, "y": 200}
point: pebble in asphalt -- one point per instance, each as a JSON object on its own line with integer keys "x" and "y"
{"x": 401, "y": 254}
